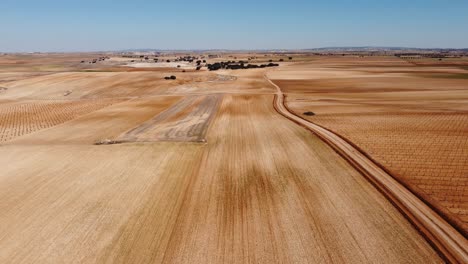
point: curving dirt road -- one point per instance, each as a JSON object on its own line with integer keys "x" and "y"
{"x": 449, "y": 242}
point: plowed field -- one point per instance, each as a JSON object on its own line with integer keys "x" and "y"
{"x": 416, "y": 127}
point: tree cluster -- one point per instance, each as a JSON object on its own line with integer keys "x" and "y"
{"x": 232, "y": 65}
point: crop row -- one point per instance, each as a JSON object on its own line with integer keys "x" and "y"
{"x": 24, "y": 118}
{"x": 426, "y": 150}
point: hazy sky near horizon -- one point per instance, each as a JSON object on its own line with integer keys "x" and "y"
{"x": 92, "y": 25}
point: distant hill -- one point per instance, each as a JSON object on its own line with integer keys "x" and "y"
{"x": 323, "y": 49}
{"x": 383, "y": 49}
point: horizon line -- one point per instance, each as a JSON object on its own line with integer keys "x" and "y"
{"x": 350, "y": 48}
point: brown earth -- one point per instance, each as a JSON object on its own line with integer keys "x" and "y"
{"x": 261, "y": 189}
{"x": 414, "y": 126}
{"x": 104, "y": 124}
{"x": 21, "y": 118}
{"x": 187, "y": 120}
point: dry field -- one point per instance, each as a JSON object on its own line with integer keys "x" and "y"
{"x": 25, "y": 117}
{"x": 205, "y": 171}
{"x": 413, "y": 120}
{"x": 187, "y": 120}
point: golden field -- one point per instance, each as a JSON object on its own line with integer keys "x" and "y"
{"x": 203, "y": 169}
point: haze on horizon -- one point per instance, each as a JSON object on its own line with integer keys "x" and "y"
{"x": 60, "y": 26}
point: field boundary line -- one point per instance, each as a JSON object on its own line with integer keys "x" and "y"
{"x": 451, "y": 244}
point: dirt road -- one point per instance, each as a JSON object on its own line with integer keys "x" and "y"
{"x": 447, "y": 240}
{"x": 261, "y": 189}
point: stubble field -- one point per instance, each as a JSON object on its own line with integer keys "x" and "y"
{"x": 204, "y": 170}
{"x": 412, "y": 120}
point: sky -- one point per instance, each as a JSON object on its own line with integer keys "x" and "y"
{"x": 102, "y": 25}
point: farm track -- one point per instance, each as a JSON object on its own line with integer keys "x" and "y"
{"x": 268, "y": 191}
{"x": 433, "y": 166}
{"x": 448, "y": 241}
{"x": 260, "y": 189}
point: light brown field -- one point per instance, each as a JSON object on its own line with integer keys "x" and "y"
{"x": 414, "y": 125}
{"x": 187, "y": 120}
{"x": 104, "y": 124}
{"x": 219, "y": 177}
{"x": 25, "y": 117}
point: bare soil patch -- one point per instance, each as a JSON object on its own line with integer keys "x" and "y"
{"x": 187, "y": 120}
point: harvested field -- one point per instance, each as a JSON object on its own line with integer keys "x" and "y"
{"x": 260, "y": 189}
{"x": 427, "y": 151}
{"x": 18, "y": 119}
{"x": 16, "y": 76}
{"x": 235, "y": 82}
{"x": 280, "y": 200}
{"x": 89, "y": 85}
{"x": 170, "y": 202}
{"x": 67, "y": 204}
{"x": 115, "y": 84}
{"x": 104, "y": 124}
{"x": 96, "y": 85}
{"x": 187, "y": 120}
{"x": 414, "y": 126}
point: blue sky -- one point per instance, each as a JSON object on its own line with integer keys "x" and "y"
{"x": 85, "y": 25}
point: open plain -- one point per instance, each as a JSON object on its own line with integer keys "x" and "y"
{"x": 109, "y": 162}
